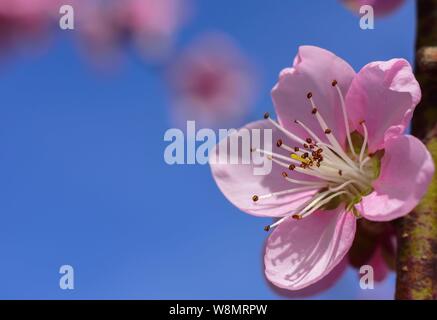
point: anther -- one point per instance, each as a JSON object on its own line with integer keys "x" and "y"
{"x": 266, "y": 115}
{"x": 296, "y": 149}
{"x": 334, "y": 83}
{"x": 305, "y": 155}
{"x": 340, "y": 172}
{"x": 296, "y": 217}
{"x": 309, "y": 140}
{"x": 314, "y": 111}
{"x": 305, "y": 146}
{"x": 328, "y": 131}
{"x": 284, "y": 174}
{"x": 309, "y": 95}
{"x": 279, "y": 143}
{"x": 362, "y": 122}
{"x": 267, "y": 228}
{"x": 255, "y": 198}
{"x": 291, "y": 167}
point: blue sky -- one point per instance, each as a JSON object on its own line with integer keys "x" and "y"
{"x": 83, "y": 180}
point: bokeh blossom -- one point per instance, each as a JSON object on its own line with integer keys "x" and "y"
{"x": 153, "y": 25}
{"x": 150, "y": 26}
{"x": 340, "y": 154}
{"x": 212, "y": 81}
{"x": 22, "y": 21}
{"x": 380, "y": 7}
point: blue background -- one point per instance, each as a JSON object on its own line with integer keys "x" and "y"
{"x": 83, "y": 180}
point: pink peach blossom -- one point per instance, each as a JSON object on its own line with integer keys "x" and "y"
{"x": 341, "y": 154}
{"x": 380, "y": 7}
{"x": 212, "y": 81}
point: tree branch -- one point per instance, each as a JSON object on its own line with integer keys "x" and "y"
{"x": 417, "y": 232}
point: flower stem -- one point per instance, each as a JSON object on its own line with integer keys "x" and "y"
{"x": 417, "y": 232}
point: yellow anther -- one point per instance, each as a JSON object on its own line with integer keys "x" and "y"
{"x": 299, "y": 158}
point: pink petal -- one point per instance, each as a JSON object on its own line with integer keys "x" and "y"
{"x": 406, "y": 172}
{"x": 384, "y": 94}
{"x": 380, "y": 269}
{"x": 319, "y": 287}
{"x": 300, "y": 253}
{"x": 239, "y": 183}
{"x": 313, "y": 71}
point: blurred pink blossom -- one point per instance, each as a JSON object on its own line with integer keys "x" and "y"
{"x": 22, "y": 21}
{"x": 150, "y": 25}
{"x": 381, "y": 7}
{"x": 153, "y": 24}
{"x": 212, "y": 81}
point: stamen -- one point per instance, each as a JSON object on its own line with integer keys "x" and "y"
{"x": 335, "y": 145}
{"x": 307, "y": 183}
{"x": 342, "y": 186}
{"x": 322, "y": 203}
{"x": 286, "y": 132}
{"x": 337, "y": 175}
{"x": 363, "y": 147}
{"x": 364, "y": 162}
{"x": 345, "y": 117}
{"x": 284, "y": 192}
{"x": 273, "y": 155}
{"x": 310, "y": 132}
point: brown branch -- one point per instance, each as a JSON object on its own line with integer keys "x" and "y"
{"x": 417, "y": 232}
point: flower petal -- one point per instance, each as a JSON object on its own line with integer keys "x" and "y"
{"x": 313, "y": 71}
{"x": 299, "y": 253}
{"x": 239, "y": 183}
{"x": 384, "y": 94}
{"x": 406, "y": 172}
{"x": 319, "y": 287}
{"x": 380, "y": 268}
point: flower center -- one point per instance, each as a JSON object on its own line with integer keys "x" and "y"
{"x": 338, "y": 175}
